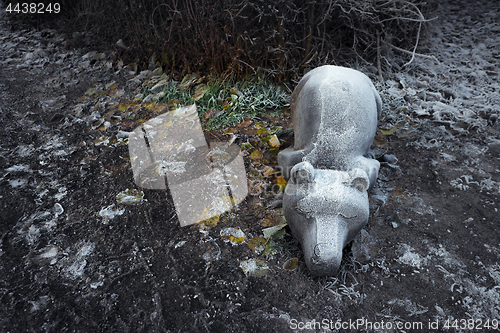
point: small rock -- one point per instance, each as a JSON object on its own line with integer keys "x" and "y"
{"x": 121, "y": 45}
{"x": 58, "y": 209}
{"x": 364, "y": 247}
{"x": 390, "y": 159}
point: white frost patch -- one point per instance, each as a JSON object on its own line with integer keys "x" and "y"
{"x": 110, "y": 212}
{"x": 32, "y": 235}
{"x": 489, "y": 185}
{"x": 40, "y": 304}
{"x": 492, "y": 249}
{"x": 281, "y": 315}
{"x": 61, "y": 194}
{"x": 96, "y": 285}
{"x": 50, "y": 255}
{"x": 254, "y": 267}
{"x": 53, "y": 143}
{"x": 181, "y": 243}
{"x": 446, "y": 256}
{"x": 61, "y": 152}
{"x": 15, "y": 183}
{"x": 494, "y": 272}
{"x": 417, "y": 204}
{"x": 481, "y": 301}
{"x": 411, "y": 258}
{"x": 78, "y": 262}
{"x": 233, "y": 235}
{"x": 25, "y": 151}
{"x": 49, "y": 225}
{"x": 485, "y": 184}
{"x": 18, "y": 168}
{"x": 412, "y": 308}
{"x": 458, "y": 183}
{"x": 130, "y": 196}
{"x": 52, "y": 252}
{"x": 448, "y": 157}
{"x": 29, "y": 227}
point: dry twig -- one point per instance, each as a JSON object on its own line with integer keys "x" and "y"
{"x": 411, "y": 53}
{"x": 379, "y": 68}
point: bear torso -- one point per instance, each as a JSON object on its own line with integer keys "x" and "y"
{"x": 335, "y": 111}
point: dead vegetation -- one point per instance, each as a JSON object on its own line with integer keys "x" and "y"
{"x": 279, "y": 38}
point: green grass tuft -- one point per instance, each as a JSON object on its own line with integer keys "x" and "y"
{"x": 229, "y": 101}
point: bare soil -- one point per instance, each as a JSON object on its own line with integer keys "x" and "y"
{"x": 427, "y": 258}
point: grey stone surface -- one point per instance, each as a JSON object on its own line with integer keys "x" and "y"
{"x": 335, "y": 113}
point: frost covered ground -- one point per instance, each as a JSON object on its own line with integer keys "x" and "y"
{"x": 82, "y": 249}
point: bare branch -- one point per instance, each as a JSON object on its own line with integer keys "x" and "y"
{"x": 411, "y": 53}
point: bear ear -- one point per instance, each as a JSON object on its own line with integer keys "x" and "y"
{"x": 302, "y": 172}
{"x": 359, "y": 180}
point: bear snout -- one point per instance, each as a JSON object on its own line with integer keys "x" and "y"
{"x": 326, "y": 259}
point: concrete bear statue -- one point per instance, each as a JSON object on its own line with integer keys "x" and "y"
{"x": 335, "y": 112}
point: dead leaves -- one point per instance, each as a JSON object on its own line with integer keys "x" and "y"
{"x": 112, "y": 111}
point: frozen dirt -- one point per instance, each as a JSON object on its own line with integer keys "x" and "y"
{"x": 82, "y": 249}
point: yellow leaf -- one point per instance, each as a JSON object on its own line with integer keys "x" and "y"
{"x": 389, "y": 131}
{"x": 149, "y": 106}
{"x": 130, "y": 196}
{"x": 268, "y": 171}
{"x": 273, "y": 231}
{"x": 233, "y": 235}
{"x": 90, "y": 91}
{"x": 227, "y": 106}
{"x": 123, "y": 107}
{"x": 211, "y": 222}
{"x": 235, "y": 91}
{"x": 261, "y": 131}
{"x": 246, "y": 146}
{"x": 291, "y": 264}
{"x": 255, "y": 154}
{"x": 257, "y": 244}
{"x": 281, "y": 182}
{"x": 274, "y": 141}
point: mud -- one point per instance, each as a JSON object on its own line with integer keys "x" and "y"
{"x": 75, "y": 257}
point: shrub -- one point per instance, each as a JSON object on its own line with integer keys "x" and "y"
{"x": 277, "y": 37}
